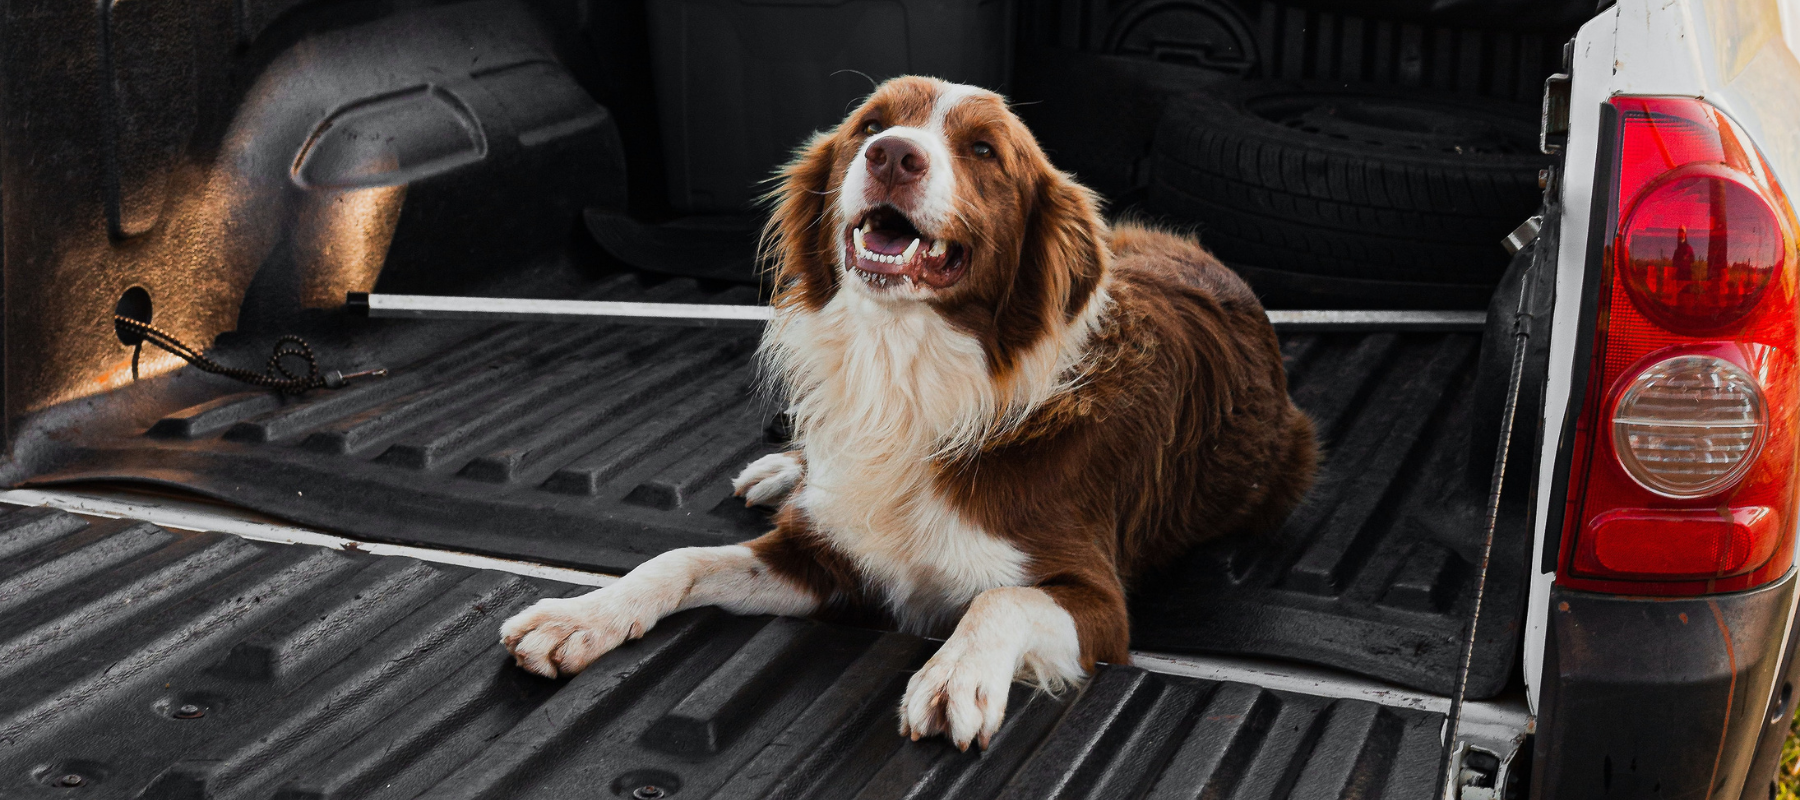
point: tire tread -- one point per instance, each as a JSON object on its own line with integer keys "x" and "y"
{"x": 1271, "y": 196}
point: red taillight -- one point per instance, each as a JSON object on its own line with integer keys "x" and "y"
{"x": 1698, "y": 248}
{"x": 1682, "y": 475}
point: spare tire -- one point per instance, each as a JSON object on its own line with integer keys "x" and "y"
{"x": 1328, "y": 195}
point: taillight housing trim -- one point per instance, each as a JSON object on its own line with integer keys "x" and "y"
{"x": 1623, "y": 335}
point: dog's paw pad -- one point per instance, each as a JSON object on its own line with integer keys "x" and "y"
{"x": 959, "y": 694}
{"x": 768, "y": 479}
{"x": 562, "y": 636}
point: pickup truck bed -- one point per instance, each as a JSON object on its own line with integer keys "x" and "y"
{"x": 596, "y": 447}
{"x": 142, "y": 662}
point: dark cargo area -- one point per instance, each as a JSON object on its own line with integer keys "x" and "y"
{"x": 1337, "y": 154}
{"x": 228, "y": 170}
{"x": 599, "y": 446}
{"x": 144, "y": 663}
{"x": 741, "y": 84}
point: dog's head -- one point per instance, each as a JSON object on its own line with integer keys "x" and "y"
{"x": 933, "y": 192}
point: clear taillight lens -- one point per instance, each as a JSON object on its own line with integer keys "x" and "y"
{"x": 1689, "y": 426}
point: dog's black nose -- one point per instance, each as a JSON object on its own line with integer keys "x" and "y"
{"x": 893, "y": 160}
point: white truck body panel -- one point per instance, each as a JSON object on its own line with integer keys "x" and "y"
{"x": 1738, "y": 55}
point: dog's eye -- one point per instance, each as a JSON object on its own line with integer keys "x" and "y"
{"x": 982, "y": 150}
{"x": 871, "y": 127}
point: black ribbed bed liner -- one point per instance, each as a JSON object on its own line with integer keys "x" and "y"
{"x": 144, "y": 663}
{"x": 599, "y": 446}
{"x": 1375, "y": 572}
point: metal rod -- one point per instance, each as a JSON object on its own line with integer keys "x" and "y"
{"x": 510, "y": 309}
{"x": 1325, "y": 321}
{"x": 1452, "y": 759}
{"x": 507, "y": 309}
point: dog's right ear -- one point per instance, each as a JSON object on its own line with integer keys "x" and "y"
{"x": 800, "y": 240}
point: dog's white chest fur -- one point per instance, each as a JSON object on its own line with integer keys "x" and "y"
{"x": 927, "y": 560}
{"x": 877, "y": 389}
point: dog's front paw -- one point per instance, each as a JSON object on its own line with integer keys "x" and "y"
{"x": 768, "y": 479}
{"x": 960, "y": 692}
{"x": 562, "y": 636}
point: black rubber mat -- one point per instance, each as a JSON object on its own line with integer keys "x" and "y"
{"x": 588, "y": 446}
{"x": 599, "y": 446}
{"x": 143, "y": 663}
{"x": 1375, "y": 572}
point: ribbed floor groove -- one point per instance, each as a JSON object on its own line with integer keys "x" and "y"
{"x": 295, "y": 673}
{"x": 600, "y": 446}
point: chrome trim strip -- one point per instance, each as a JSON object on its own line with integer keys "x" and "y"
{"x": 1324, "y": 320}
{"x": 196, "y": 515}
{"x": 511, "y": 309}
{"x": 1507, "y": 712}
{"x": 412, "y": 306}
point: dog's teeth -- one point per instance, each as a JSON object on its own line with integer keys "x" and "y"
{"x": 937, "y": 247}
{"x": 911, "y": 249}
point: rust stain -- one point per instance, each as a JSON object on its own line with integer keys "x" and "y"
{"x": 1683, "y": 616}
{"x": 1562, "y": 606}
{"x": 113, "y": 376}
{"x": 1730, "y": 688}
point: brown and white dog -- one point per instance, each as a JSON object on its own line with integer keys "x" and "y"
{"x": 1005, "y": 411}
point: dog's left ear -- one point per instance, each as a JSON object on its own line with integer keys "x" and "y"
{"x": 797, "y": 243}
{"x": 1065, "y": 242}
{"x": 1061, "y": 261}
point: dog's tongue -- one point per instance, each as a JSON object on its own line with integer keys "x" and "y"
{"x": 886, "y": 242}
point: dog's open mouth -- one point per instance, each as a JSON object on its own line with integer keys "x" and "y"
{"x": 885, "y": 249}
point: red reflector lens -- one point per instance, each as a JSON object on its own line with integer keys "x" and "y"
{"x": 1698, "y": 248}
{"x": 1649, "y": 543}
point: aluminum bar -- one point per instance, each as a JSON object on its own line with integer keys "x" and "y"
{"x": 508, "y": 309}
{"x": 512, "y": 309}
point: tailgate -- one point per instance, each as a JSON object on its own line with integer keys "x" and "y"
{"x": 146, "y": 662}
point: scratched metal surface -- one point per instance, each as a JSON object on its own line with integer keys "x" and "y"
{"x": 144, "y": 663}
